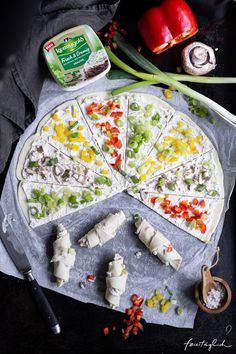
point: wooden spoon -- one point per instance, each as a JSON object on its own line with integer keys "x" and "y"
{"x": 207, "y": 282}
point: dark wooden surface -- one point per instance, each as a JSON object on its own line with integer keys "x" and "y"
{"x": 21, "y": 329}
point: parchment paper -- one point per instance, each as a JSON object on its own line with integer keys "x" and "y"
{"x": 145, "y": 273}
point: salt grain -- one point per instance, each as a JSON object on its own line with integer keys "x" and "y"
{"x": 215, "y": 297}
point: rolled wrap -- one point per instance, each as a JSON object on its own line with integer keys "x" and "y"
{"x": 158, "y": 244}
{"x": 115, "y": 281}
{"x": 63, "y": 256}
{"x": 104, "y": 231}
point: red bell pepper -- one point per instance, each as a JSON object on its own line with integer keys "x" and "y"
{"x": 166, "y": 25}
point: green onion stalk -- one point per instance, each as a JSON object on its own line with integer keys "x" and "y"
{"x": 154, "y": 75}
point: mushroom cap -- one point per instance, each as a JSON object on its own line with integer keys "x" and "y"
{"x": 198, "y": 59}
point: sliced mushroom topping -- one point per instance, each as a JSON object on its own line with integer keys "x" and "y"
{"x": 187, "y": 172}
{"x": 144, "y": 195}
{"x": 206, "y": 175}
{"x": 40, "y": 149}
{"x": 198, "y": 59}
{"x": 34, "y": 155}
{"x": 58, "y": 170}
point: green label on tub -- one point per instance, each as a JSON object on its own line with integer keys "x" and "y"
{"x": 73, "y": 53}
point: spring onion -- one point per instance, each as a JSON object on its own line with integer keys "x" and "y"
{"x": 156, "y": 75}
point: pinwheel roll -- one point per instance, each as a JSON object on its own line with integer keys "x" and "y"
{"x": 64, "y": 256}
{"x": 115, "y": 281}
{"x": 104, "y": 231}
{"x": 157, "y": 244}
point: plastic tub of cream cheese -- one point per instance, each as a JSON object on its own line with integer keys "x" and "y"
{"x": 76, "y": 57}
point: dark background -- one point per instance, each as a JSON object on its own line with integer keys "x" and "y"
{"x": 21, "y": 329}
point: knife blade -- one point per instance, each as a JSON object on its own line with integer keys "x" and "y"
{"x": 17, "y": 254}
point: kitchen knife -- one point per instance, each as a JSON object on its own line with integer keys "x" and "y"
{"x": 19, "y": 258}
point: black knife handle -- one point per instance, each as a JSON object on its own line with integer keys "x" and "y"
{"x": 43, "y": 304}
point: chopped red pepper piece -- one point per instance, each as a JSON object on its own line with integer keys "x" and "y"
{"x": 91, "y": 108}
{"x": 153, "y": 200}
{"x": 106, "y": 331}
{"x": 117, "y": 163}
{"x": 133, "y": 325}
{"x": 169, "y": 248}
{"x": 114, "y": 131}
{"x": 185, "y": 210}
{"x": 111, "y": 105}
{"x": 185, "y": 215}
{"x": 166, "y": 25}
{"x": 202, "y": 203}
{"x": 117, "y": 114}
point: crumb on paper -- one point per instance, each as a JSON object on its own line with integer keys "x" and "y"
{"x": 138, "y": 254}
{"x": 82, "y": 284}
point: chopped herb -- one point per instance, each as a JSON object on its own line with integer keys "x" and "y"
{"x": 171, "y": 186}
{"x": 200, "y": 187}
{"x": 74, "y": 135}
{"x": 94, "y": 150}
{"x": 161, "y": 182}
{"x": 131, "y": 164}
{"x": 197, "y": 108}
{"x": 87, "y": 196}
{"x": 98, "y": 192}
{"x": 193, "y": 224}
{"x": 188, "y": 181}
{"x": 94, "y": 116}
{"x": 169, "y": 291}
{"x": 33, "y": 164}
{"x": 52, "y": 162}
{"x": 134, "y": 179}
{"x": 72, "y": 199}
{"x": 73, "y": 125}
{"x": 155, "y": 119}
{"x": 120, "y": 123}
{"x": 213, "y": 120}
{"x": 212, "y": 193}
{"x": 103, "y": 180}
{"x": 179, "y": 310}
{"x": 107, "y": 109}
{"x": 122, "y": 172}
{"x": 130, "y": 154}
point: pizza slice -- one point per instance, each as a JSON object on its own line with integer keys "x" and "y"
{"x": 197, "y": 216}
{"x": 42, "y": 203}
{"x": 201, "y": 177}
{"x": 181, "y": 141}
{"x": 107, "y": 118}
{"x": 66, "y": 130}
{"x": 147, "y": 117}
{"x": 42, "y": 163}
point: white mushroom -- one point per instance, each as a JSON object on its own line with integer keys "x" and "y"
{"x": 198, "y": 59}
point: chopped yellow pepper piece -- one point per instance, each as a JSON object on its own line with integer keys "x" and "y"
{"x": 72, "y": 147}
{"x": 99, "y": 163}
{"x": 167, "y": 93}
{"x": 56, "y": 117}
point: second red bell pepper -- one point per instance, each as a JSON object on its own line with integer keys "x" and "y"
{"x": 166, "y": 25}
